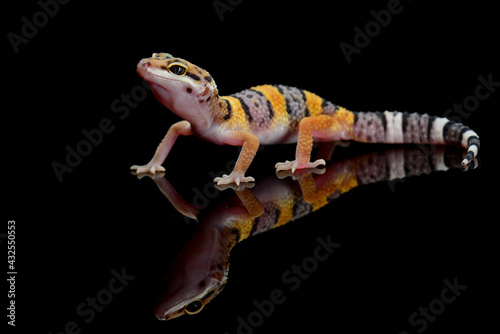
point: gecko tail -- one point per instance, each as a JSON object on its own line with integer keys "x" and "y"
{"x": 473, "y": 142}
{"x": 393, "y": 127}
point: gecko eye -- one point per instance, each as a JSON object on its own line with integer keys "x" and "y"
{"x": 177, "y": 69}
{"x": 194, "y": 307}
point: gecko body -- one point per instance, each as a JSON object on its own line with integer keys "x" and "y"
{"x": 278, "y": 114}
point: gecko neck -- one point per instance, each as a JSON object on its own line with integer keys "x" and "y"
{"x": 208, "y": 110}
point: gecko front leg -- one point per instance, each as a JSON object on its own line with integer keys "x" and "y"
{"x": 155, "y": 165}
{"x": 250, "y": 145}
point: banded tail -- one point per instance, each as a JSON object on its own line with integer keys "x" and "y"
{"x": 412, "y": 128}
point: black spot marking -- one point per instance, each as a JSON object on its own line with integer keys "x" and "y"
{"x": 255, "y": 225}
{"x": 464, "y": 130}
{"x": 229, "y": 110}
{"x": 189, "y": 90}
{"x": 306, "y": 110}
{"x": 236, "y": 233}
{"x": 246, "y": 109}
{"x": 409, "y": 170}
{"x": 406, "y": 116}
{"x": 473, "y": 140}
{"x": 289, "y": 109}
{"x": 193, "y": 76}
{"x": 279, "y": 89}
{"x": 446, "y": 128}
{"x": 209, "y": 294}
{"x": 469, "y": 156}
{"x": 257, "y": 92}
{"x": 453, "y": 131}
{"x": 429, "y": 126}
{"x": 429, "y": 161}
{"x": 328, "y": 108}
{"x": 277, "y": 216}
{"x": 271, "y": 111}
{"x": 382, "y": 118}
{"x": 208, "y": 78}
{"x": 163, "y": 67}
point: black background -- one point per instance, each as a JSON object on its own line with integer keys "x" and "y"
{"x": 398, "y": 243}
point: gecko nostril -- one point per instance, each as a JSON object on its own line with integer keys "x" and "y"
{"x": 146, "y": 63}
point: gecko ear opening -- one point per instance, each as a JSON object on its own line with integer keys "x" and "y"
{"x": 205, "y": 92}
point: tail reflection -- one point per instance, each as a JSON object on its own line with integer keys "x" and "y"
{"x": 200, "y": 270}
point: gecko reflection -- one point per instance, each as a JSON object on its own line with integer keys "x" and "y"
{"x": 200, "y": 270}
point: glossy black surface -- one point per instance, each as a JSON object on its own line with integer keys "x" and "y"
{"x": 398, "y": 241}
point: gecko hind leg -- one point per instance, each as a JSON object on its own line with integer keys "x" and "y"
{"x": 325, "y": 127}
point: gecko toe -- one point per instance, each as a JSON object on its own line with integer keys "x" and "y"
{"x": 149, "y": 168}
{"x": 294, "y": 165}
{"x": 233, "y": 178}
{"x": 287, "y": 165}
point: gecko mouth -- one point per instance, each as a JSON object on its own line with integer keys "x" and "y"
{"x": 152, "y": 78}
{"x": 145, "y": 73}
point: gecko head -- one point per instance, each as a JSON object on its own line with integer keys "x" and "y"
{"x": 190, "y": 298}
{"x": 180, "y": 86}
{"x": 198, "y": 274}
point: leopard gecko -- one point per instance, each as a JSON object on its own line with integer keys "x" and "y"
{"x": 200, "y": 270}
{"x": 278, "y": 114}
